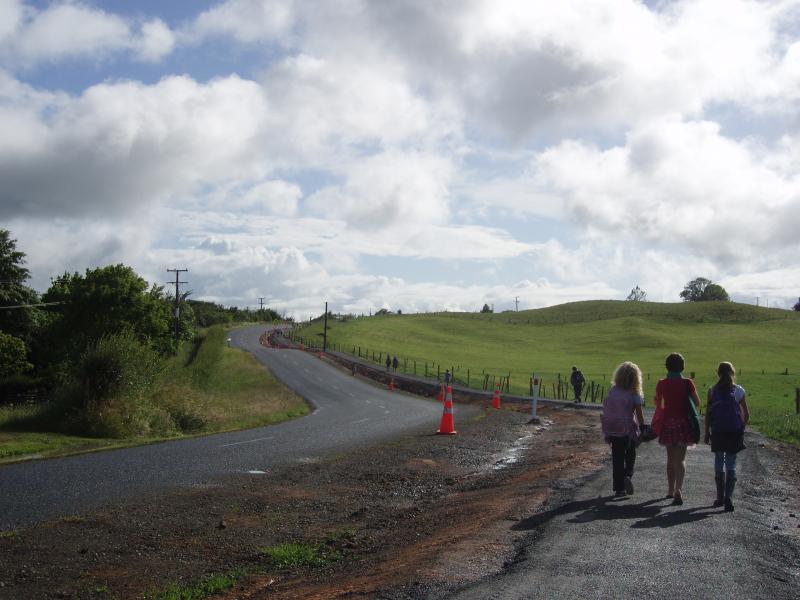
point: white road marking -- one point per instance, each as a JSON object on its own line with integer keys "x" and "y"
{"x": 248, "y": 441}
{"x": 254, "y": 472}
{"x": 360, "y": 421}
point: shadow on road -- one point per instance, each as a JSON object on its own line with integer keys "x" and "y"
{"x": 652, "y": 513}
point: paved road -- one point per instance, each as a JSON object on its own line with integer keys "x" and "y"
{"x": 590, "y": 546}
{"x": 348, "y": 413}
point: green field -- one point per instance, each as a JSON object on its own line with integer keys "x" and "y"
{"x": 207, "y": 388}
{"x": 596, "y": 336}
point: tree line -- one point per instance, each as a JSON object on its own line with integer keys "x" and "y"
{"x": 47, "y": 339}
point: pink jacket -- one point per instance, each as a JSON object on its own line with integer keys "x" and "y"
{"x": 618, "y": 416}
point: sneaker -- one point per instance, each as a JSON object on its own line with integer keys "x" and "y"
{"x": 619, "y": 494}
{"x": 628, "y": 486}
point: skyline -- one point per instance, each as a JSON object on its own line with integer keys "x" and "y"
{"x": 420, "y": 156}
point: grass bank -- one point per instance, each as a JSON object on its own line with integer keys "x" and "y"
{"x": 596, "y": 336}
{"x": 207, "y": 388}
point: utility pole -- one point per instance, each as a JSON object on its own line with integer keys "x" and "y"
{"x": 516, "y": 301}
{"x": 261, "y": 301}
{"x": 325, "y": 330}
{"x": 177, "y": 284}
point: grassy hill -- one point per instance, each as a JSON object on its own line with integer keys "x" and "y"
{"x": 596, "y": 335}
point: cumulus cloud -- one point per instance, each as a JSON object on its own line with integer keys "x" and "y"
{"x": 122, "y": 145}
{"x": 247, "y": 21}
{"x": 70, "y": 30}
{"x": 678, "y": 184}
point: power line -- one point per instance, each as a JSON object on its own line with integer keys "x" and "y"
{"x": 31, "y": 305}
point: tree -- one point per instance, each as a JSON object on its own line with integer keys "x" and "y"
{"x": 486, "y": 309}
{"x": 703, "y": 290}
{"x": 637, "y": 295}
{"x": 12, "y": 356}
{"x": 797, "y": 305}
{"x": 107, "y": 301}
{"x": 19, "y": 322}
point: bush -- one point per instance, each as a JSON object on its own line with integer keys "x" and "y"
{"x": 109, "y": 393}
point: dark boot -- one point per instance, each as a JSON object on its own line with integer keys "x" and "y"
{"x": 730, "y": 483}
{"x": 719, "y": 478}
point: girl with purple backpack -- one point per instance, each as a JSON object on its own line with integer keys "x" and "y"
{"x": 622, "y": 419}
{"x": 726, "y": 417}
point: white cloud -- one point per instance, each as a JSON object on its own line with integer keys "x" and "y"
{"x": 157, "y": 41}
{"x": 247, "y": 21}
{"x": 70, "y": 30}
{"x": 121, "y": 146}
{"x": 679, "y": 185}
{"x": 389, "y": 190}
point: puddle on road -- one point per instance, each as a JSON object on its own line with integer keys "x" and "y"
{"x": 513, "y": 454}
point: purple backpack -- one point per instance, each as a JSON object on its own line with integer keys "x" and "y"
{"x": 617, "y": 417}
{"x": 726, "y": 413}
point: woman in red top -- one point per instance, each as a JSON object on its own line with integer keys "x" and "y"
{"x": 675, "y": 434}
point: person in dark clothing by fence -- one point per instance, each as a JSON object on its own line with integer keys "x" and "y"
{"x": 577, "y": 380}
{"x": 395, "y": 363}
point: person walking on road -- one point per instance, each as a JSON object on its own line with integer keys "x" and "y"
{"x": 395, "y": 363}
{"x": 447, "y": 377}
{"x": 622, "y": 420}
{"x": 674, "y": 434}
{"x": 388, "y": 362}
{"x": 577, "y": 380}
{"x": 726, "y": 417}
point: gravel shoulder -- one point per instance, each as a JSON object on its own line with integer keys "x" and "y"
{"x": 423, "y": 510}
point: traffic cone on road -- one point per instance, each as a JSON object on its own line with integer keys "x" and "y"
{"x": 391, "y": 384}
{"x": 441, "y": 393}
{"x": 496, "y": 397}
{"x": 447, "y": 426}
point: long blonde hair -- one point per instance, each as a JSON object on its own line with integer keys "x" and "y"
{"x": 628, "y": 376}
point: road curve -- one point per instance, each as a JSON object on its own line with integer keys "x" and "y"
{"x": 348, "y": 413}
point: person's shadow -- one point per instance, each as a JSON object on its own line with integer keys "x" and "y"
{"x": 607, "y": 508}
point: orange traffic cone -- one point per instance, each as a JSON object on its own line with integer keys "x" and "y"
{"x": 447, "y": 427}
{"x": 391, "y": 384}
{"x": 441, "y": 393}
{"x": 496, "y": 397}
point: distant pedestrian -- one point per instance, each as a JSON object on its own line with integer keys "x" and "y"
{"x": 388, "y": 362}
{"x": 622, "y": 420}
{"x": 726, "y": 417}
{"x": 671, "y": 394}
{"x": 577, "y": 380}
{"x": 447, "y": 377}
{"x": 395, "y": 363}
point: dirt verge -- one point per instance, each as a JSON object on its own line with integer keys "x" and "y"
{"x": 425, "y": 510}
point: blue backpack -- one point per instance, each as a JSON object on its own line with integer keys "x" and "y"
{"x": 726, "y": 414}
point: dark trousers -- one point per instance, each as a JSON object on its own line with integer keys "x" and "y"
{"x": 577, "y": 389}
{"x": 623, "y": 457}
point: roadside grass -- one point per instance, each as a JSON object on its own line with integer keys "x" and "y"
{"x": 206, "y": 388}
{"x": 596, "y": 336}
{"x": 289, "y": 555}
{"x": 208, "y": 586}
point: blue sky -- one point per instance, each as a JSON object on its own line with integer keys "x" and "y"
{"x": 410, "y": 155}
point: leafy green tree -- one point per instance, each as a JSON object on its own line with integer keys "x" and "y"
{"x": 20, "y": 322}
{"x": 486, "y": 309}
{"x": 796, "y": 307}
{"x": 637, "y": 295}
{"x": 703, "y": 290}
{"x": 107, "y": 301}
{"x": 13, "y": 355}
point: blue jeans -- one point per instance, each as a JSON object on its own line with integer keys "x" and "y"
{"x": 725, "y": 461}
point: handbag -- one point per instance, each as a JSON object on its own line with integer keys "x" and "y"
{"x": 694, "y": 415}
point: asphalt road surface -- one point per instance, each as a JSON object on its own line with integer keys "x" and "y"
{"x": 588, "y": 545}
{"x": 348, "y": 413}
